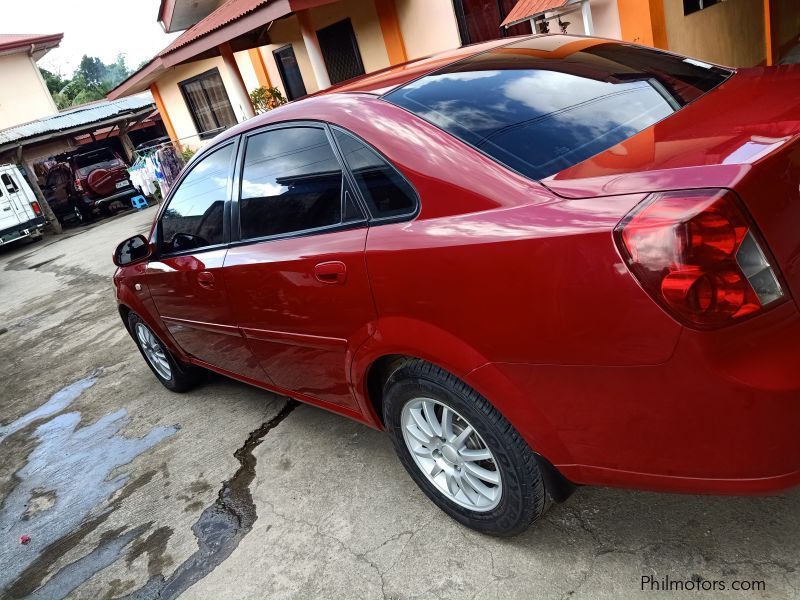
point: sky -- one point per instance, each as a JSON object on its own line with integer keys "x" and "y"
{"x": 101, "y": 28}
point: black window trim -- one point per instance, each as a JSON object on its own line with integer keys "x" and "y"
{"x": 373, "y": 220}
{"x": 236, "y": 231}
{"x": 157, "y": 238}
{"x": 349, "y": 182}
{"x": 205, "y": 135}
{"x": 238, "y": 239}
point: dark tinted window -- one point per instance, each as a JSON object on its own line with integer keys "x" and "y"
{"x": 292, "y": 181}
{"x": 194, "y": 216}
{"x": 690, "y": 6}
{"x": 385, "y": 191}
{"x": 541, "y": 115}
{"x": 102, "y": 159}
{"x": 9, "y": 184}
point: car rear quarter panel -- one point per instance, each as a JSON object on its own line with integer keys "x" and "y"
{"x": 771, "y": 190}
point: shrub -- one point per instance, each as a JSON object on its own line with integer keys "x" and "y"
{"x": 266, "y": 98}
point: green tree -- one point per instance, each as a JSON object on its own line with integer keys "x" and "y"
{"x": 55, "y": 83}
{"x": 92, "y": 70}
{"x": 91, "y": 81}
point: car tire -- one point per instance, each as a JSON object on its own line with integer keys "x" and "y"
{"x": 503, "y": 509}
{"x": 79, "y": 218}
{"x": 173, "y": 374}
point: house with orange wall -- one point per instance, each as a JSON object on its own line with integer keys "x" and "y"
{"x": 202, "y": 80}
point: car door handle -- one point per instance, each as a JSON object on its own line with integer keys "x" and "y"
{"x": 333, "y": 271}
{"x": 205, "y": 279}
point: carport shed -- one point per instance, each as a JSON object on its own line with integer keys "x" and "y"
{"x": 38, "y": 140}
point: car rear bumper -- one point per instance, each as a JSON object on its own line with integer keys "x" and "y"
{"x": 21, "y": 230}
{"x": 721, "y": 416}
{"x": 124, "y": 193}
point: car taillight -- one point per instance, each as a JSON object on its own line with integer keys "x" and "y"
{"x": 78, "y": 185}
{"x": 700, "y": 256}
{"x": 37, "y": 210}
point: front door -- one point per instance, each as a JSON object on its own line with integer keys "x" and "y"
{"x": 299, "y": 285}
{"x": 290, "y": 72}
{"x": 186, "y": 281}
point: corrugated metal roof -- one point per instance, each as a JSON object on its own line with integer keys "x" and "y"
{"x": 230, "y": 11}
{"x": 76, "y": 117}
{"x": 525, "y": 9}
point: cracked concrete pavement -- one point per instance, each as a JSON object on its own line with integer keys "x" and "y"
{"x": 117, "y": 481}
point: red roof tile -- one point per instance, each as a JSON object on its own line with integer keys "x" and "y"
{"x": 230, "y": 11}
{"x": 525, "y": 9}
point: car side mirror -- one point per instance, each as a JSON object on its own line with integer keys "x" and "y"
{"x": 132, "y": 250}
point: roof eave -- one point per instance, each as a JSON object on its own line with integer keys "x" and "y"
{"x": 225, "y": 33}
{"x": 138, "y": 81}
{"x": 42, "y": 45}
{"x": 166, "y": 21}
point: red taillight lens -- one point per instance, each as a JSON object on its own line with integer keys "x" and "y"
{"x": 699, "y": 255}
{"x": 37, "y": 210}
{"x": 78, "y": 185}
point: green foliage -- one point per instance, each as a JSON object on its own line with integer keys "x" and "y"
{"x": 265, "y": 99}
{"x": 54, "y": 82}
{"x": 187, "y": 154}
{"x": 91, "y": 81}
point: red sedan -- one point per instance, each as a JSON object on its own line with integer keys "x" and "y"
{"x": 535, "y": 263}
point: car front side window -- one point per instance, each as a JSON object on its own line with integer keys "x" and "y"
{"x": 194, "y": 216}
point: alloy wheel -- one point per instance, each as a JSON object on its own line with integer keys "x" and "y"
{"x": 153, "y": 351}
{"x": 451, "y": 454}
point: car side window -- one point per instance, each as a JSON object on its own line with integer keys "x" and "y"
{"x": 9, "y": 184}
{"x": 194, "y": 216}
{"x": 384, "y": 189}
{"x": 291, "y": 182}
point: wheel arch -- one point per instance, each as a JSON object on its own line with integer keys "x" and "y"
{"x": 128, "y": 302}
{"x": 398, "y": 340}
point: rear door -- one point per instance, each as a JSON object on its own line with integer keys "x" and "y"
{"x": 185, "y": 279}
{"x": 298, "y": 278}
{"x": 14, "y": 191}
{"x": 8, "y": 216}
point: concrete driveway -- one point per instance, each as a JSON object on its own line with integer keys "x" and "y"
{"x": 128, "y": 490}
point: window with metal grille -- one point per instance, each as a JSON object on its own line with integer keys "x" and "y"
{"x": 340, "y": 50}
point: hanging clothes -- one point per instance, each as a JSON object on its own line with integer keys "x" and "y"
{"x": 171, "y": 163}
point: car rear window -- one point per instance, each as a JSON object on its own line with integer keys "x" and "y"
{"x": 544, "y": 104}
{"x": 102, "y": 159}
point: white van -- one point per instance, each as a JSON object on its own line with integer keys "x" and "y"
{"x": 20, "y": 213}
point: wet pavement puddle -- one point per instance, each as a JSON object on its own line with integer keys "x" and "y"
{"x": 66, "y": 479}
{"x": 221, "y": 526}
{"x": 62, "y": 495}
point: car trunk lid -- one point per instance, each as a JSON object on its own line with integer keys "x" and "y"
{"x": 744, "y": 135}
{"x": 713, "y": 141}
